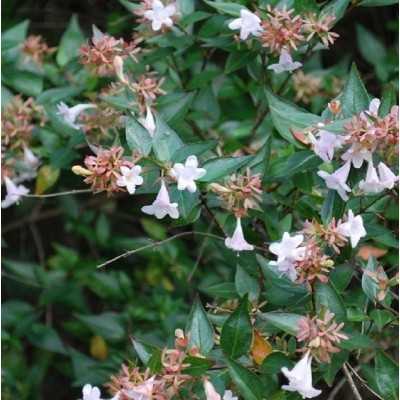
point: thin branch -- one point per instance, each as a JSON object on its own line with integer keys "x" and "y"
{"x": 77, "y": 191}
{"x": 349, "y": 379}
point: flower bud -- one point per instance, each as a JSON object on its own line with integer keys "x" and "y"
{"x": 78, "y": 170}
{"x": 335, "y": 107}
{"x": 119, "y": 68}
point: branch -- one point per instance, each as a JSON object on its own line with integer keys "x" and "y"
{"x": 349, "y": 379}
{"x": 76, "y": 191}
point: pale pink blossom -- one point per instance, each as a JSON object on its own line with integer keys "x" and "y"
{"x": 14, "y": 193}
{"x": 337, "y": 180}
{"x": 285, "y": 64}
{"x": 288, "y": 248}
{"x": 186, "y": 174}
{"x": 237, "y": 242}
{"x": 130, "y": 178}
{"x": 353, "y": 228}
{"x": 160, "y": 15}
{"x": 248, "y": 23}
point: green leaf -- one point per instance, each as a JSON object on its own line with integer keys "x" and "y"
{"x": 288, "y": 118}
{"x": 249, "y": 384}
{"x": 387, "y": 375}
{"x": 220, "y": 167}
{"x": 46, "y": 338}
{"x": 194, "y": 17}
{"x": 381, "y": 318}
{"x": 197, "y": 366}
{"x": 246, "y": 284}
{"x": 185, "y": 7}
{"x": 58, "y": 94}
{"x": 223, "y": 290}
{"x": 389, "y": 99}
{"x": 329, "y": 370}
{"x": 369, "y": 286}
{"x": 203, "y": 79}
{"x": 131, "y": 7}
{"x": 14, "y": 36}
{"x": 26, "y": 82}
{"x": 70, "y": 42}
{"x": 143, "y": 350}
{"x": 279, "y": 290}
{"x": 357, "y": 341}
{"x": 304, "y": 6}
{"x": 369, "y": 45}
{"x": 107, "y": 325}
{"x": 286, "y": 322}
{"x": 275, "y": 362}
{"x": 226, "y": 8}
{"x": 199, "y": 329}
{"x": 237, "y": 60}
{"x": 327, "y": 297}
{"x": 174, "y": 106}
{"x": 195, "y": 149}
{"x": 237, "y": 332}
{"x": 377, "y": 3}
{"x": 332, "y": 207}
{"x": 137, "y": 136}
{"x": 336, "y": 8}
{"x": 341, "y": 276}
{"x": 165, "y": 141}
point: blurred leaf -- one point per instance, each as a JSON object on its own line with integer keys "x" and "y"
{"x": 260, "y": 348}
{"x": 246, "y": 284}
{"x": 107, "y": 324}
{"x": 220, "y": 167}
{"x": 223, "y": 290}
{"x": 98, "y": 348}
{"x": 46, "y": 338}
{"x": 46, "y": 178}
{"x": 387, "y": 374}
{"x": 381, "y": 318}
{"x": 26, "y": 82}
{"x": 226, "y": 7}
{"x": 196, "y": 366}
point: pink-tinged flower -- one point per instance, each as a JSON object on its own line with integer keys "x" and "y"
{"x": 70, "y": 114}
{"x": 288, "y": 248}
{"x": 356, "y": 154}
{"x": 285, "y": 64}
{"x": 300, "y": 378}
{"x": 144, "y": 391}
{"x": 162, "y": 205}
{"x": 209, "y": 389}
{"x": 160, "y": 15}
{"x": 30, "y": 160}
{"x": 286, "y": 267}
{"x": 386, "y": 176}
{"x": 186, "y": 174}
{"x": 374, "y": 107}
{"x": 353, "y": 228}
{"x": 237, "y": 242}
{"x": 337, "y": 180}
{"x": 248, "y": 23}
{"x": 149, "y": 122}
{"x": 130, "y": 178}
{"x": 325, "y": 144}
{"x": 372, "y": 183}
{"x": 90, "y": 392}
{"x": 14, "y": 193}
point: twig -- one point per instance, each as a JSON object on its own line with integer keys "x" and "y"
{"x": 349, "y": 379}
{"x": 77, "y": 191}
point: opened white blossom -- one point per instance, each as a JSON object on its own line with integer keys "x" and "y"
{"x": 149, "y": 122}
{"x": 237, "y": 242}
{"x": 286, "y": 267}
{"x": 375, "y": 184}
{"x": 248, "y": 23}
{"x": 186, "y": 174}
{"x": 386, "y": 175}
{"x": 29, "y": 166}
{"x": 353, "y": 228}
{"x": 90, "y": 392}
{"x": 70, "y": 114}
{"x": 160, "y": 15}
{"x": 162, "y": 205}
{"x": 374, "y": 107}
{"x": 337, "y": 180}
{"x": 325, "y": 143}
{"x": 356, "y": 155}
{"x": 130, "y": 178}
{"x": 288, "y": 248}
{"x": 300, "y": 378}
{"x": 285, "y": 64}
{"x": 14, "y": 193}
{"x": 209, "y": 389}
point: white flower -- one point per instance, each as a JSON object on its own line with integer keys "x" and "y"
{"x": 285, "y": 64}
{"x": 162, "y": 205}
{"x": 371, "y": 183}
{"x": 300, "y": 379}
{"x": 237, "y": 242}
{"x": 70, "y": 114}
{"x": 386, "y": 176}
{"x": 286, "y": 267}
{"x": 353, "y": 228}
{"x": 357, "y": 155}
{"x": 149, "y": 122}
{"x": 91, "y": 392}
{"x": 209, "y": 389}
{"x": 248, "y": 23}
{"x": 337, "y": 180}
{"x": 160, "y": 15}
{"x": 30, "y": 164}
{"x": 187, "y": 174}
{"x": 130, "y": 178}
{"x": 143, "y": 391}
{"x": 374, "y": 107}
{"x": 14, "y": 193}
{"x": 30, "y": 160}
{"x": 228, "y": 395}
{"x": 119, "y": 68}
{"x": 288, "y": 248}
{"x": 325, "y": 144}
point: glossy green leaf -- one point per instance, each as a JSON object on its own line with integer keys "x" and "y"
{"x": 221, "y": 167}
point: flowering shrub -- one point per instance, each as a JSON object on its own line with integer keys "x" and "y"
{"x": 204, "y": 174}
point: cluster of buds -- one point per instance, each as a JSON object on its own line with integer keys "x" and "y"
{"x": 320, "y": 26}
{"x": 18, "y": 120}
{"x": 98, "y": 54}
{"x": 103, "y": 170}
{"x": 321, "y": 335}
{"x": 36, "y": 49}
{"x": 240, "y": 193}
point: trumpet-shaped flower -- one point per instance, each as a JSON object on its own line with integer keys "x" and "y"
{"x": 130, "y": 178}
{"x": 160, "y": 15}
{"x": 353, "y": 228}
{"x": 374, "y": 184}
{"x": 237, "y": 242}
{"x": 162, "y": 205}
{"x": 288, "y": 248}
{"x": 90, "y": 392}
{"x": 248, "y": 23}
{"x": 14, "y": 193}
{"x": 149, "y": 122}
{"x": 356, "y": 155}
{"x": 325, "y": 143}
{"x": 286, "y": 267}
{"x": 300, "y": 379}
{"x": 337, "y": 180}
{"x": 209, "y": 389}
{"x": 70, "y": 114}
{"x": 386, "y": 176}
{"x": 187, "y": 173}
{"x": 285, "y": 64}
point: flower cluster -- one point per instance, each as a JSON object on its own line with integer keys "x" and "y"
{"x": 36, "y": 49}
{"x": 320, "y": 335}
